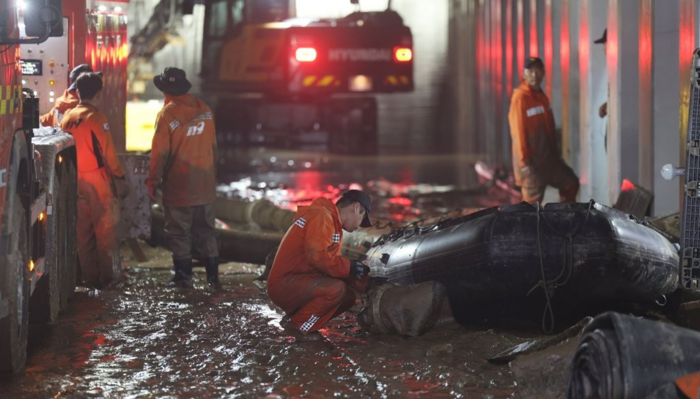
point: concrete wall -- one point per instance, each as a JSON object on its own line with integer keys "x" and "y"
{"x": 643, "y": 76}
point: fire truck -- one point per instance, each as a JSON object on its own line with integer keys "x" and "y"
{"x": 40, "y": 42}
{"x": 272, "y": 77}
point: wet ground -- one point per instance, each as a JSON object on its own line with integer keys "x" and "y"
{"x": 143, "y": 340}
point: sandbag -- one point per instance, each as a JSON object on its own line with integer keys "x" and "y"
{"x": 402, "y": 310}
{"x": 259, "y": 213}
{"x": 626, "y": 357}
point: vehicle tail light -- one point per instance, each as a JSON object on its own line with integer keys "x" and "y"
{"x": 403, "y": 54}
{"x": 306, "y": 54}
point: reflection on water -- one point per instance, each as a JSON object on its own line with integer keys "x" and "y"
{"x": 403, "y": 188}
{"x": 147, "y": 341}
{"x": 143, "y": 340}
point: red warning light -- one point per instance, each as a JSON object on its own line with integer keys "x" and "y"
{"x": 403, "y": 54}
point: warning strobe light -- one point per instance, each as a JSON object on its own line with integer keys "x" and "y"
{"x": 306, "y": 54}
{"x": 403, "y": 54}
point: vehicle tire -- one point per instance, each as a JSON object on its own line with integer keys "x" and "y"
{"x": 15, "y": 287}
{"x": 45, "y": 301}
{"x": 67, "y": 238}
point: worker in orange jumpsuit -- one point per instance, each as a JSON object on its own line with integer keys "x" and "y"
{"x": 183, "y": 165}
{"x": 537, "y": 161}
{"x": 309, "y": 279}
{"x": 99, "y": 174}
{"x": 67, "y": 101}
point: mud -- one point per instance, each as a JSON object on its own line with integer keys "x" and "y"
{"x": 145, "y": 340}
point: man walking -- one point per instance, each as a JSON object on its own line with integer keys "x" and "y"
{"x": 183, "y": 164}
{"x": 309, "y": 279}
{"x": 99, "y": 171}
{"x": 537, "y": 161}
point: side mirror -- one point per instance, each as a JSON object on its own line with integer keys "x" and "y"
{"x": 40, "y": 14}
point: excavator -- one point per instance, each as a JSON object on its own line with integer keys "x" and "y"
{"x": 273, "y": 78}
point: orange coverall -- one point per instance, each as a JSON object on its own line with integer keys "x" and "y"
{"x": 68, "y": 100}
{"x": 309, "y": 279}
{"x": 537, "y": 161}
{"x": 183, "y": 156}
{"x": 98, "y": 207}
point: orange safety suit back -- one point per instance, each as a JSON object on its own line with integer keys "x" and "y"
{"x": 98, "y": 165}
{"x": 311, "y": 245}
{"x": 533, "y": 133}
{"x": 184, "y": 152}
{"x": 67, "y": 101}
{"x": 93, "y": 140}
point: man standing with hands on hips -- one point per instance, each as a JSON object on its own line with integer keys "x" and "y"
{"x": 537, "y": 161}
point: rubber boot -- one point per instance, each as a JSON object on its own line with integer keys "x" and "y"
{"x": 212, "y": 267}
{"x": 183, "y": 273}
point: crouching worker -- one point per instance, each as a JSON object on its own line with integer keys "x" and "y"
{"x": 99, "y": 173}
{"x": 309, "y": 279}
{"x": 183, "y": 165}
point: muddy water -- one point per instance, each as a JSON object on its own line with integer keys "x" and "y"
{"x": 144, "y": 340}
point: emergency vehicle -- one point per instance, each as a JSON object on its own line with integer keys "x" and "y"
{"x": 40, "y": 42}
{"x": 272, "y": 77}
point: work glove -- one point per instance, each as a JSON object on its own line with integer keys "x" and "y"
{"x": 123, "y": 188}
{"x": 359, "y": 269}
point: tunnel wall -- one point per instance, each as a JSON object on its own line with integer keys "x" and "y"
{"x": 644, "y": 76}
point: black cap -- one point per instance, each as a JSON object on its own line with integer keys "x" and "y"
{"x": 364, "y": 200}
{"x": 88, "y": 84}
{"x": 603, "y": 39}
{"x": 172, "y": 81}
{"x": 82, "y": 68}
{"x": 533, "y": 61}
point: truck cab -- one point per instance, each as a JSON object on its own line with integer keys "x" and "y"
{"x": 274, "y": 78}
{"x": 246, "y": 50}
